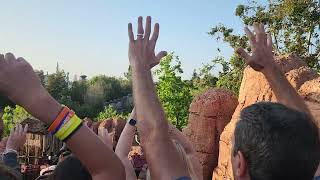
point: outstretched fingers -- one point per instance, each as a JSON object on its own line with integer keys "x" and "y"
{"x": 148, "y": 28}
{"x": 140, "y": 28}
{"x": 250, "y": 35}
{"x": 130, "y": 33}
{"x": 9, "y": 57}
{"x": 155, "y": 35}
{"x": 161, "y": 54}
{"x": 25, "y": 129}
{"x": 20, "y": 130}
{"x": 260, "y": 33}
{"x": 158, "y": 58}
{"x": 244, "y": 55}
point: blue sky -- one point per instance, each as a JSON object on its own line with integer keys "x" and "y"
{"x": 90, "y": 37}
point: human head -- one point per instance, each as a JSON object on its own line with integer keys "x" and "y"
{"x": 7, "y": 174}
{"x": 70, "y": 168}
{"x": 273, "y": 142}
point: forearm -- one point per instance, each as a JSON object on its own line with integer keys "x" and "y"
{"x": 130, "y": 173}
{"x": 146, "y": 100}
{"x": 283, "y": 90}
{"x": 123, "y": 148}
{"x": 125, "y": 141}
{"x": 108, "y": 166}
{"x": 83, "y": 143}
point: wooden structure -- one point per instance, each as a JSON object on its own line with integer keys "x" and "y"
{"x": 39, "y": 144}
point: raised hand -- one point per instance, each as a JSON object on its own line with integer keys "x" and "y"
{"x": 141, "y": 49}
{"x": 105, "y": 136}
{"x": 17, "y": 137}
{"x": 3, "y": 144}
{"x": 18, "y": 81}
{"x": 261, "y": 45}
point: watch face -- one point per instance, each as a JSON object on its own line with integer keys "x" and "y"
{"x": 132, "y": 122}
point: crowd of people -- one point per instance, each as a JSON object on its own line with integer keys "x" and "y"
{"x": 271, "y": 141}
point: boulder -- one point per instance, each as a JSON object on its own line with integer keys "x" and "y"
{"x": 115, "y": 127}
{"x": 209, "y": 114}
{"x": 255, "y": 88}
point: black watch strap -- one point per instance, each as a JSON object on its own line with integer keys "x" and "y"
{"x": 132, "y": 122}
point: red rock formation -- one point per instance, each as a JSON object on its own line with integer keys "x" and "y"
{"x": 209, "y": 113}
{"x": 254, "y": 88}
{"x": 115, "y": 127}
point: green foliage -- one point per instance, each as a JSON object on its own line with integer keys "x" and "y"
{"x": 78, "y": 91}
{"x": 174, "y": 93}
{"x": 111, "y": 87}
{"x": 203, "y": 80}
{"x": 8, "y": 123}
{"x": 110, "y": 112}
{"x": 86, "y": 97}
{"x": 42, "y": 77}
{"x": 58, "y": 86}
{"x": 232, "y": 72}
{"x": 12, "y": 116}
{"x": 293, "y": 24}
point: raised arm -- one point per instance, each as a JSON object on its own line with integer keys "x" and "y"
{"x": 262, "y": 60}
{"x": 19, "y": 82}
{"x": 161, "y": 154}
{"x": 16, "y": 140}
{"x": 124, "y": 146}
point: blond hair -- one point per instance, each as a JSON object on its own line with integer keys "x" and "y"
{"x": 186, "y": 161}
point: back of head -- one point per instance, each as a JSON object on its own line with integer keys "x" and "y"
{"x": 7, "y": 174}
{"x": 70, "y": 168}
{"x": 277, "y": 142}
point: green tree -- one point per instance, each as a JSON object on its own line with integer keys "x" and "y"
{"x": 174, "y": 93}
{"x": 8, "y": 122}
{"x": 20, "y": 114}
{"x": 204, "y": 79}
{"x": 42, "y": 76}
{"x": 293, "y": 24}
{"x": 11, "y": 116}
{"x": 78, "y": 91}
{"x": 110, "y": 112}
{"x": 58, "y": 86}
{"x": 113, "y": 88}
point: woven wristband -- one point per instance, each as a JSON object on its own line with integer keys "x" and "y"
{"x": 64, "y": 125}
{"x": 65, "y": 110}
{"x": 71, "y": 126}
{"x": 70, "y": 135}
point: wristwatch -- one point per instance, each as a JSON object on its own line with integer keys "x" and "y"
{"x": 132, "y": 122}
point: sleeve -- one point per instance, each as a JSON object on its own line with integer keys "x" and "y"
{"x": 11, "y": 161}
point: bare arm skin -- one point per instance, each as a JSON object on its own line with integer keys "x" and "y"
{"x": 19, "y": 82}
{"x": 161, "y": 154}
{"x": 262, "y": 60}
{"x": 124, "y": 146}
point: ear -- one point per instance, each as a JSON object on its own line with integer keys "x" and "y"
{"x": 240, "y": 165}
